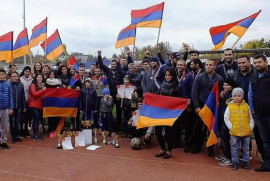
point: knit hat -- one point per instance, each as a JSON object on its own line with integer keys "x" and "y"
{"x": 106, "y": 91}
{"x": 239, "y": 91}
{"x": 88, "y": 79}
{"x": 154, "y": 59}
{"x": 231, "y": 82}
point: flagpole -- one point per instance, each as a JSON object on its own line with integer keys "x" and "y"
{"x": 24, "y": 57}
{"x": 236, "y": 42}
{"x": 158, "y": 35}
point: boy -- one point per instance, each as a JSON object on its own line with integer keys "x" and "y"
{"x": 239, "y": 120}
{"x": 6, "y": 106}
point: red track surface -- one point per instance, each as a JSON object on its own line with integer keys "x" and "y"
{"x": 40, "y": 160}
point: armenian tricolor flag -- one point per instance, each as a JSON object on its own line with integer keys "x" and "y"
{"x": 149, "y": 17}
{"x": 126, "y": 36}
{"x": 60, "y": 102}
{"x": 53, "y": 46}
{"x": 159, "y": 110}
{"x": 220, "y": 33}
{"x": 21, "y": 46}
{"x": 72, "y": 61}
{"x": 209, "y": 115}
{"x": 39, "y": 33}
{"x": 73, "y": 80}
{"x": 6, "y": 47}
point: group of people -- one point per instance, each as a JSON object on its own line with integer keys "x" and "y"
{"x": 244, "y": 95}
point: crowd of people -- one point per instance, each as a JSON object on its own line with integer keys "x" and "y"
{"x": 244, "y": 94}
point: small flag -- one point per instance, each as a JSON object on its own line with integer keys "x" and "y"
{"x": 73, "y": 80}
{"x": 72, "y": 61}
{"x": 39, "y": 33}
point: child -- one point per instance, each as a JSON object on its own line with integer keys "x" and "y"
{"x": 19, "y": 107}
{"x": 239, "y": 120}
{"x": 88, "y": 100}
{"x": 106, "y": 105}
{"x": 133, "y": 124}
{"x": 6, "y": 106}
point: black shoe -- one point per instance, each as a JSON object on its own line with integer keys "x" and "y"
{"x": 27, "y": 134}
{"x": 211, "y": 152}
{"x": 13, "y": 141}
{"x": 37, "y": 137}
{"x": 4, "y": 146}
{"x": 262, "y": 169}
{"x": 234, "y": 166}
{"x": 196, "y": 150}
{"x": 160, "y": 153}
{"x": 187, "y": 149}
{"x": 246, "y": 166}
{"x": 18, "y": 139}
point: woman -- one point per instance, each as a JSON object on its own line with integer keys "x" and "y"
{"x": 170, "y": 87}
{"x": 26, "y": 80}
{"x": 37, "y": 68}
{"x": 37, "y": 90}
{"x": 63, "y": 74}
{"x": 72, "y": 70}
{"x": 45, "y": 71}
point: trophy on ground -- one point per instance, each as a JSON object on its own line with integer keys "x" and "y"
{"x": 113, "y": 138}
{"x": 87, "y": 124}
{"x": 104, "y": 134}
{"x": 59, "y": 146}
{"x": 95, "y": 136}
{"x": 116, "y": 141}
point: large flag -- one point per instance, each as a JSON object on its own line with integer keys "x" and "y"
{"x": 39, "y": 33}
{"x": 126, "y": 36}
{"x": 53, "y": 46}
{"x": 149, "y": 17}
{"x": 6, "y": 47}
{"x": 72, "y": 61}
{"x": 209, "y": 115}
{"x": 60, "y": 102}
{"x": 158, "y": 110}
{"x": 220, "y": 33}
{"x": 21, "y": 46}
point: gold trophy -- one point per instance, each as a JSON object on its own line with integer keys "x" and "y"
{"x": 95, "y": 136}
{"x": 87, "y": 124}
{"x": 59, "y": 146}
{"x": 104, "y": 134}
{"x": 116, "y": 141}
{"x": 113, "y": 138}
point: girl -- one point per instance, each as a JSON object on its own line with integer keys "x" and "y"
{"x": 64, "y": 76}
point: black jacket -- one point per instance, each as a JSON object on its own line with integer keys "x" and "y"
{"x": 18, "y": 95}
{"x": 88, "y": 99}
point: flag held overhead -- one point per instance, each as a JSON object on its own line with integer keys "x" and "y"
{"x": 126, "y": 37}
{"x": 39, "y": 33}
{"x": 21, "y": 46}
{"x": 6, "y": 47}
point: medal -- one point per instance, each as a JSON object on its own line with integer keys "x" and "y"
{"x": 151, "y": 77}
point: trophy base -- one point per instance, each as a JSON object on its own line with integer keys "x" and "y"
{"x": 59, "y": 147}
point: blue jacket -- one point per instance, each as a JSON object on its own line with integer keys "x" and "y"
{"x": 186, "y": 82}
{"x": 18, "y": 95}
{"x": 6, "y": 98}
{"x": 88, "y": 99}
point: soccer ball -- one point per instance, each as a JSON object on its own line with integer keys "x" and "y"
{"x": 135, "y": 143}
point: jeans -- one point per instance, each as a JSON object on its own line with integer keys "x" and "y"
{"x": 236, "y": 141}
{"x": 37, "y": 116}
{"x": 15, "y": 120}
{"x": 263, "y": 125}
{"x": 107, "y": 121}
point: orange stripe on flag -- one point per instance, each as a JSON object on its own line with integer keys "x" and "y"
{"x": 147, "y": 122}
{"x": 59, "y": 112}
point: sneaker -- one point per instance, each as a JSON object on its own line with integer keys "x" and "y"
{"x": 234, "y": 166}
{"x": 241, "y": 157}
{"x": 37, "y": 137}
{"x": 262, "y": 169}
{"x": 225, "y": 162}
{"x": 246, "y": 166}
{"x": 4, "y": 146}
{"x": 220, "y": 157}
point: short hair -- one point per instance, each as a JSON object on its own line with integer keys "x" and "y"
{"x": 140, "y": 100}
{"x": 228, "y": 49}
{"x": 11, "y": 65}
{"x": 131, "y": 65}
{"x": 15, "y": 73}
{"x": 114, "y": 60}
{"x": 81, "y": 65}
{"x": 197, "y": 61}
{"x": 260, "y": 56}
{"x": 3, "y": 71}
{"x": 58, "y": 63}
{"x": 244, "y": 56}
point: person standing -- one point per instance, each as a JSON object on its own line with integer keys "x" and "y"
{"x": 6, "y": 106}
{"x": 259, "y": 102}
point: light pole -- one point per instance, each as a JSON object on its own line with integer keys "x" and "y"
{"x": 24, "y": 57}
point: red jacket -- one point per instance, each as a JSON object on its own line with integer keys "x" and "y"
{"x": 36, "y": 97}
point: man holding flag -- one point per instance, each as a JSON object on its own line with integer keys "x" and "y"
{"x": 202, "y": 87}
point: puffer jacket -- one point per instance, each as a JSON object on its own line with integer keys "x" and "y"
{"x": 88, "y": 99}
{"x": 18, "y": 95}
{"x": 6, "y": 98}
{"x": 36, "y": 97}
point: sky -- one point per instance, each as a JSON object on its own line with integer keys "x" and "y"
{"x": 89, "y": 25}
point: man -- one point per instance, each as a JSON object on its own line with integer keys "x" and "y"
{"x": 138, "y": 66}
{"x": 202, "y": 87}
{"x": 259, "y": 102}
{"x": 125, "y": 61}
{"x": 135, "y": 79}
{"x": 145, "y": 65}
{"x": 229, "y": 67}
{"x": 196, "y": 66}
{"x": 11, "y": 68}
{"x": 92, "y": 70}
{"x": 115, "y": 77}
{"x": 149, "y": 83}
{"x": 82, "y": 73}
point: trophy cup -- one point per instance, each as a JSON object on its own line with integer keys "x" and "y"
{"x": 113, "y": 138}
{"x": 104, "y": 134}
{"x": 87, "y": 124}
{"x": 95, "y": 136}
{"x": 116, "y": 141}
{"x": 59, "y": 146}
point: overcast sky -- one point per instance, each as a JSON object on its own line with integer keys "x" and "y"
{"x": 89, "y": 25}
